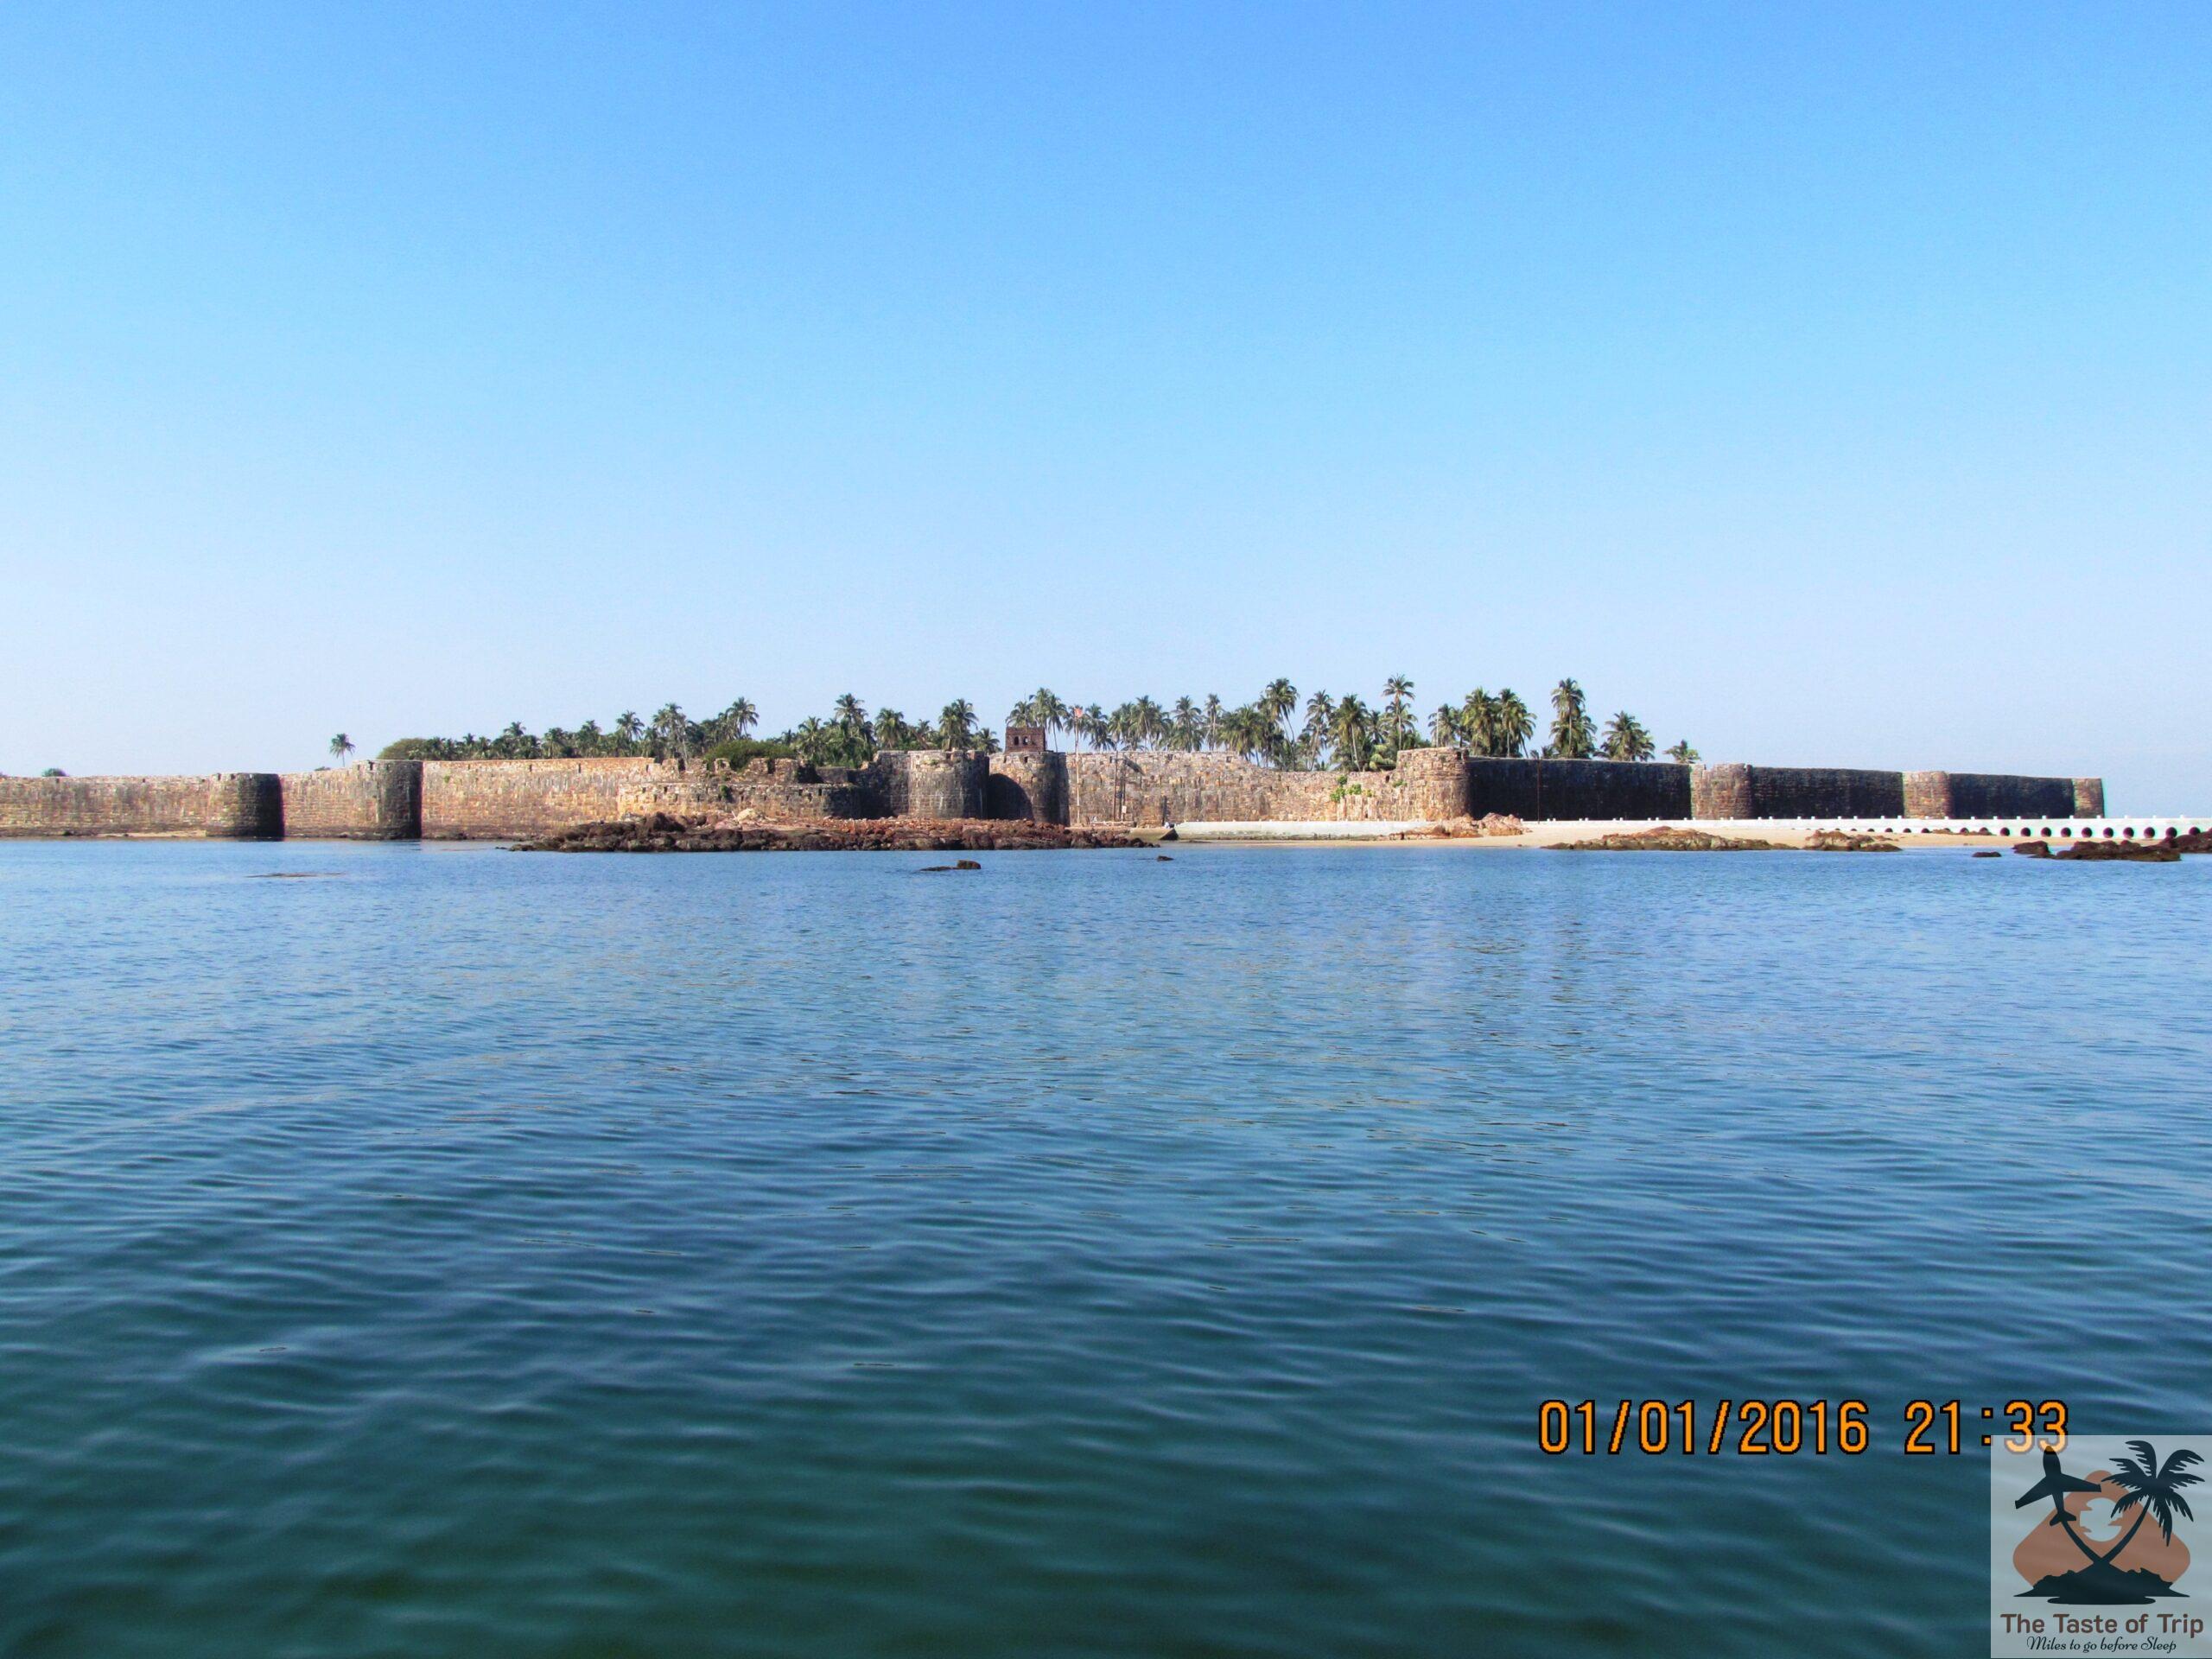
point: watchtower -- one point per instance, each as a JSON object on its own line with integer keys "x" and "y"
{"x": 1025, "y": 740}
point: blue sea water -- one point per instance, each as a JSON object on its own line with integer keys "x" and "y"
{"x": 467, "y": 1253}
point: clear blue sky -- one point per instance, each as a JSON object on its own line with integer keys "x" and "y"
{"x": 1829, "y": 384}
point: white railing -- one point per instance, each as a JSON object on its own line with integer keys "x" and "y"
{"x": 2012, "y": 829}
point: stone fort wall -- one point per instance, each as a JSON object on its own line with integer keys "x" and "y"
{"x": 507, "y": 800}
{"x": 243, "y": 805}
{"x": 377, "y": 800}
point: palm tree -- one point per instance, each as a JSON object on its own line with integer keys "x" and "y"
{"x": 1150, "y": 722}
{"x": 734, "y": 721}
{"x": 1626, "y": 739}
{"x": 1210, "y": 723}
{"x": 956, "y": 725}
{"x": 812, "y": 739}
{"x": 1683, "y": 755}
{"x": 1478, "y": 721}
{"x": 671, "y": 731}
{"x": 1245, "y": 731}
{"x": 890, "y": 730}
{"x": 1183, "y": 729}
{"x": 1512, "y": 725}
{"x": 2151, "y": 1489}
{"x": 1443, "y": 726}
{"x": 1278, "y": 702}
{"x": 1351, "y": 733}
{"x": 1395, "y": 691}
{"x": 1097, "y": 728}
{"x": 629, "y": 728}
{"x": 1320, "y": 713}
{"x": 1571, "y": 736}
{"x": 1046, "y": 710}
{"x": 589, "y": 738}
{"x": 849, "y": 714}
{"x": 341, "y": 746}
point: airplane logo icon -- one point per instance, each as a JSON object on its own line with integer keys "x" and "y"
{"x": 2055, "y": 1484}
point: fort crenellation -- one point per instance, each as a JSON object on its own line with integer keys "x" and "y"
{"x": 506, "y": 800}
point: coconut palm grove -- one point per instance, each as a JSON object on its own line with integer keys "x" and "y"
{"x": 1275, "y": 728}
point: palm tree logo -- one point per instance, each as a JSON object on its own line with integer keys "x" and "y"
{"x": 2138, "y": 1482}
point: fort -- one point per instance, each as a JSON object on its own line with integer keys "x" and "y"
{"x": 508, "y": 800}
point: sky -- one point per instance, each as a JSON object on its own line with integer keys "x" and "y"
{"x": 1825, "y": 384}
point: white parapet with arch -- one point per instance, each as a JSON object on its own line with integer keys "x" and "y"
{"x": 1553, "y": 829}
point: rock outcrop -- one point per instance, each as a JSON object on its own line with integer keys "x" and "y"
{"x": 664, "y": 832}
{"x": 1667, "y": 838}
{"x": 1842, "y": 841}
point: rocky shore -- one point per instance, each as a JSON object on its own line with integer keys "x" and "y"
{"x": 664, "y": 832}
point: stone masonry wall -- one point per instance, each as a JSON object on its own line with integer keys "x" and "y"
{"x": 1533, "y": 788}
{"x": 229, "y": 804}
{"x": 931, "y": 782}
{"x": 1032, "y": 786}
{"x": 506, "y": 800}
{"x": 377, "y": 800}
{"x": 1983, "y": 794}
{"x": 775, "y": 791}
{"x": 1154, "y": 787}
{"x": 1740, "y": 792}
{"x": 1927, "y": 794}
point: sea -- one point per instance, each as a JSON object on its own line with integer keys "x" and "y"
{"x": 429, "y": 1250}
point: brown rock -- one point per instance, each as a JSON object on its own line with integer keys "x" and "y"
{"x": 2122, "y": 851}
{"x": 1838, "y": 840}
{"x": 1666, "y": 838}
{"x": 662, "y": 832}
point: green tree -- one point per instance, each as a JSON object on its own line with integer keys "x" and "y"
{"x": 734, "y": 722}
{"x": 1444, "y": 727}
{"x": 629, "y": 730}
{"x": 1514, "y": 725}
{"x": 1683, "y": 755}
{"x": 1320, "y": 713}
{"x": 1047, "y": 710}
{"x": 1572, "y": 739}
{"x": 1210, "y": 722}
{"x": 956, "y": 725}
{"x": 1351, "y": 733}
{"x": 1396, "y": 725}
{"x": 891, "y": 730}
{"x": 1098, "y": 727}
{"x": 1184, "y": 731}
{"x": 1626, "y": 739}
{"x": 813, "y": 742}
{"x": 1478, "y": 721}
{"x": 1151, "y": 723}
{"x": 1278, "y": 702}
{"x": 672, "y": 732}
{"x": 515, "y": 743}
{"x": 341, "y": 746}
{"x": 589, "y": 739}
